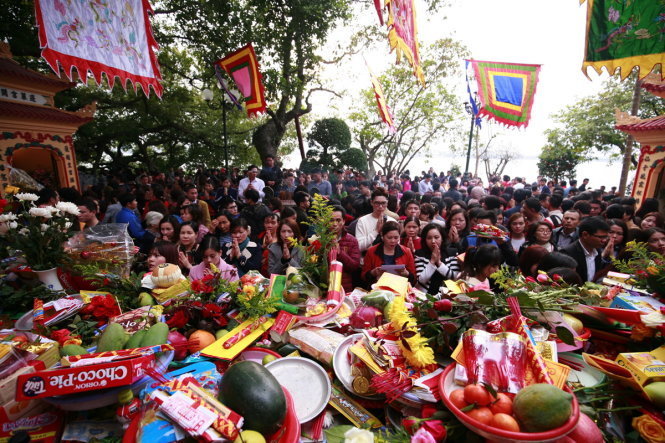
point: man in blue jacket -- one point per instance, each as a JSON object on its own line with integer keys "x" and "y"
{"x": 142, "y": 238}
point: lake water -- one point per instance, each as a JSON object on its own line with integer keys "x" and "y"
{"x": 599, "y": 172}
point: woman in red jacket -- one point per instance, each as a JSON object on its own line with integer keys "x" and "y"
{"x": 388, "y": 252}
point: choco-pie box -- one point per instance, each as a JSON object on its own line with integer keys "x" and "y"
{"x": 72, "y": 380}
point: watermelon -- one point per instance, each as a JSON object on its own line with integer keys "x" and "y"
{"x": 253, "y": 392}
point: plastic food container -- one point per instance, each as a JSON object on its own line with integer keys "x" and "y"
{"x": 447, "y": 385}
{"x": 330, "y": 313}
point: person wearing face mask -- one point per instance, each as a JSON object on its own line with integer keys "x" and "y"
{"x": 388, "y": 252}
{"x": 211, "y": 256}
{"x": 241, "y": 252}
{"x": 251, "y": 182}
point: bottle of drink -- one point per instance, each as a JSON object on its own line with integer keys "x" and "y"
{"x": 129, "y": 407}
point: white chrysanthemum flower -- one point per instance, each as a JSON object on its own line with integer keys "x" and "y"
{"x": 355, "y": 435}
{"x": 44, "y": 227}
{"x": 53, "y": 209}
{"x": 40, "y": 212}
{"x": 68, "y": 208}
{"x": 13, "y": 225}
{"x": 24, "y": 231}
{"x": 27, "y": 196}
{"x": 7, "y": 217}
{"x": 68, "y": 225}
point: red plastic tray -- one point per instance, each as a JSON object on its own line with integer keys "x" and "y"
{"x": 500, "y": 435}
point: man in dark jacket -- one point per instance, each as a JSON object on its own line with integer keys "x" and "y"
{"x": 348, "y": 252}
{"x": 587, "y": 251}
{"x": 254, "y": 212}
{"x": 453, "y": 192}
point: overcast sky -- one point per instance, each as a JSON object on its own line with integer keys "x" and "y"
{"x": 546, "y": 32}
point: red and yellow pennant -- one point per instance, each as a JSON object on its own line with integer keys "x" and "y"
{"x": 384, "y": 110}
{"x": 243, "y": 67}
{"x": 402, "y": 33}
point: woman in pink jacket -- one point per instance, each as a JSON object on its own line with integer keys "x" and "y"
{"x": 212, "y": 255}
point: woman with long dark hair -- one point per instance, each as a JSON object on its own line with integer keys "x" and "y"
{"x": 283, "y": 253}
{"x": 435, "y": 263}
{"x": 388, "y": 252}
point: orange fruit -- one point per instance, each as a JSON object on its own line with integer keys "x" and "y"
{"x": 477, "y": 394}
{"x": 457, "y": 398}
{"x": 505, "y": 422}
{"x": 198, "y": 340}
{"x": 502, "y": 404}
{"x": 483, "y": 415}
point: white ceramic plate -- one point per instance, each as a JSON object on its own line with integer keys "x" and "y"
{"x": 306, "y": 381}
{"x": 588, "y": 376}
{"x": 342, "y": 367}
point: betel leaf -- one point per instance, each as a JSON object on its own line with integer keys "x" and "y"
{"x": 408, "y": 334}
{"x": 565, "y": 335}
{"x": 524, "y": 299}
{"x": 335, "y": 434}
{"x": 490, "y": 389}
{"x": 484, "y": 297}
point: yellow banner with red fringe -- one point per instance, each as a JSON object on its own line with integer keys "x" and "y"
{"x": 624, "y": 35}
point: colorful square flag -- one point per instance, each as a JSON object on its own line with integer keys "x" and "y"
{"x": 243, "y": 67}
{"x": 112, "y": 38}
{"x": 623, "y": 35}
{"x": 506, "y": 90}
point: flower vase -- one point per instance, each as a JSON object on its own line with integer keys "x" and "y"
{"x": 50, "y": 279}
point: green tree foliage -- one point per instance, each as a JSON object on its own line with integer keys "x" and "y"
{"x": 422, "y": 115}
{"x": 285, "y": 35}
{"x": 588, "y": 126}
{"x": 328, "y": 139}
{"x": 558, "y": 160}
{"x": 180, "y": 129}
{"x": 354, "y": 158}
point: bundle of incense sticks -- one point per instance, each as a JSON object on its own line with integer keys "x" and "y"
{"x": 533, "y": 356}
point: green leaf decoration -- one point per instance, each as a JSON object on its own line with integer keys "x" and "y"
{"x": 565, "y": 335}
{"x": 335, "y": 434}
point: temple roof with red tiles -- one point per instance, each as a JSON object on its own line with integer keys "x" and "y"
{"x": 655, "y": 84}
{"x": 41, "y": 113}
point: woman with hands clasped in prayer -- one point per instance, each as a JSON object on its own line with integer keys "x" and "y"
{"x": 283, "y": 253}
{"x": 458, "y": 228}
{"x": 241, "y": 252}
{"x": 188, "y": 247}
{"x": 411, "y": 234}
{"x": 435, "y": 263}
{"x": 212, "y": 256}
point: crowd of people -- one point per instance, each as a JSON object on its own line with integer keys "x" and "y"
{"x": 424, "y": 227}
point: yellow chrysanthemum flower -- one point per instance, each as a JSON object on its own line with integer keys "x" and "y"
{"x": 420, "y": 354}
